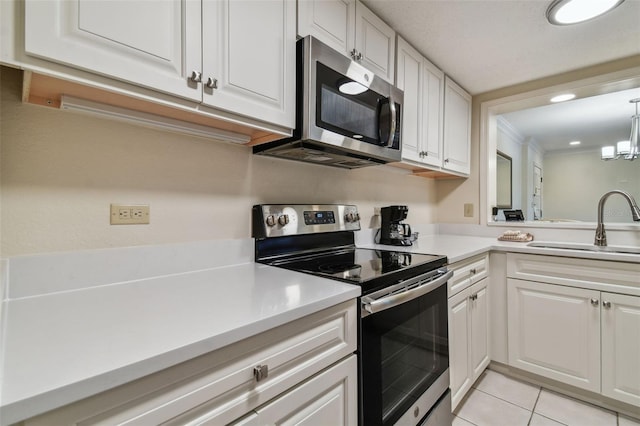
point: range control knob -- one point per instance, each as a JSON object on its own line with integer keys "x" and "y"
{"x": 357, "y": 216}
{"x": 271, "y": 220}
{"x": 283, "y": 220}
{"x": 349, "y": 217}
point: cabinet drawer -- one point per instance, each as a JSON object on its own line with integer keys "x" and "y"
{"x": 221, "y": 384}
{"x": 587, "y": 273}
{"x": 467, "y": 272}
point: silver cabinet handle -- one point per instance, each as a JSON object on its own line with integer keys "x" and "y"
{"x": 359, "y": 56}
{"x": 353, "y": 54}
{"x": 196, "y": 76}
{"x": 595, "y": 302}
{"x": 260, "y": 372}
{"x": 474, "y": 296}
{"x": 606, "y": 304}
{"x": 446, "y": 160}
{"x": 473, "y": 271}
{"x": 212, "y": 83}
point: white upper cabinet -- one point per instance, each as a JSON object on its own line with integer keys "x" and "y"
{"x": 248, "y": 62}
{"x": 457, "y": 128}
{"x": 330, "y": 21}
{"x": 151, "y": 44}
{"x": 422, "y": 122}
{"x": 235, "y": 55}
{"x": 352, "y": 29}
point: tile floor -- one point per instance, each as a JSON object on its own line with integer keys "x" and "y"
{"x": 498, "y": 400}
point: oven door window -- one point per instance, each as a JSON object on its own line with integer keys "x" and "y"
{"x": 365, "y": 116}
{"x": 404, "y": 350}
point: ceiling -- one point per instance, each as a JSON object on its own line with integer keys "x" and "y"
{"x": 489, "y": 44}
{"x": 595, "y": 121}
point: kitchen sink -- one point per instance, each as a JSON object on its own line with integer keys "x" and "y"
{"x": 586, "y": 247}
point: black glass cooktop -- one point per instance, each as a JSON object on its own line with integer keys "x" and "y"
{"x": 369, "y": 268}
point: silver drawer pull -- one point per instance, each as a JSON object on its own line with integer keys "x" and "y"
{"x": 595, "y": 302}
{"x": 473, "y": 271}
{"x": 260, "y": 372}
{"x": 606, "y": 304}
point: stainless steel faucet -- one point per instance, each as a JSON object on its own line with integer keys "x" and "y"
{"x": 601, "y": 235}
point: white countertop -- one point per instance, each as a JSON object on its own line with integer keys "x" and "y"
{"x": 459, "y": 247}
{"x": 71, "y": 329}
{"x": 63, "y": 346}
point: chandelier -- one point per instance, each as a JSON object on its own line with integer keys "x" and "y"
{"x": 626, "y": 149}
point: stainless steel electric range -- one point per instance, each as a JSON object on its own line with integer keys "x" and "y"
{"x": 403, "y": 350}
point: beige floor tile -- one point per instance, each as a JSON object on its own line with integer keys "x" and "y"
{"x": 538, "y": 420}
{"x": 509, "y": 389}
{"x": 483, "y": 409}
{"x": 458, "y": 421}
{"x": 627, "y": 421}
{"x": 572, "y": 412}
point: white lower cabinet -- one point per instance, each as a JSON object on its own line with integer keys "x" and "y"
{"x": 621, "y": 347}
{"x": 554, "y": 331}
{"x": 569, "y": 320}
{"x": 468, "y": 334}
{"x": 307, "y": 373}
{"x": 330, "y": 398}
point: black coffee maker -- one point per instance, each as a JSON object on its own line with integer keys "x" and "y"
{"x": 392, "y": 231}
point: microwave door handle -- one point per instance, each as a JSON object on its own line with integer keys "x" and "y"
{"x": 392, "y": 127}
{"x": 397, "y": 299}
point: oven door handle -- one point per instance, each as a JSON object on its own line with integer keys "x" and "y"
{"x": 397, "y": 299}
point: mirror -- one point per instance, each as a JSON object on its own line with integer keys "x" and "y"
{"x": 551, "y": 180}
{"x": 503, "y": 180}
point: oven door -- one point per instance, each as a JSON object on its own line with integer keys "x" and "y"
{"x": 404, "y": 352}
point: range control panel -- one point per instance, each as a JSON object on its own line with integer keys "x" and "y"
{"x": 277, "y": 220}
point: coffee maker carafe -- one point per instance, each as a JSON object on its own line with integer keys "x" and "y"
{"x": 392, "y": 231}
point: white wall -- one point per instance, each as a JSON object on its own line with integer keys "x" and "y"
{"x": 60, "y": 171}
{"x": 575, "y": 181}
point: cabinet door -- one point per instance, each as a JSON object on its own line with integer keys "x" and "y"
{"x": 330, "y": 21}
{"x": 249, "y": 58}
{"x": 554, "y": 331}
{"x": 479, "y": 312}
{"x": 621, "y": 347}
{"x": 376, "y": 41}
{"x": 329, "y": 398}
{"x": 432, "y": 113}
{"x": 409, "y": 79}
{"x": 151, "y": 44}
{"x": 457, "y": 128}
{"x": 459, "y": 361}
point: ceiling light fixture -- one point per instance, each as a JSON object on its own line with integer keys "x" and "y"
{"x": 567, "y": 12}
{"x": 574, "y": 143}
{"x": 629, "y": 150}
{"x": 70, "y": 103}
{"x": 563, "y": 97}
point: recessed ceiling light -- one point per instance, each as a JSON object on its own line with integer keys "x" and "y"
{"x": 563, "y": 97}
{"x": 574, "y": 143}
{"x": 567, "y": 12}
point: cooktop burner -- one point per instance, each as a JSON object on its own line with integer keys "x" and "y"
{"x": 362, "y": 266}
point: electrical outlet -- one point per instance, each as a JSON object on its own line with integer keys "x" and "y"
{"x": 122, "y": 214}
{"x": 468, "y": 210}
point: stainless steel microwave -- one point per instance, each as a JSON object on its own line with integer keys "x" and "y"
{"x": 346, "y": 115}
